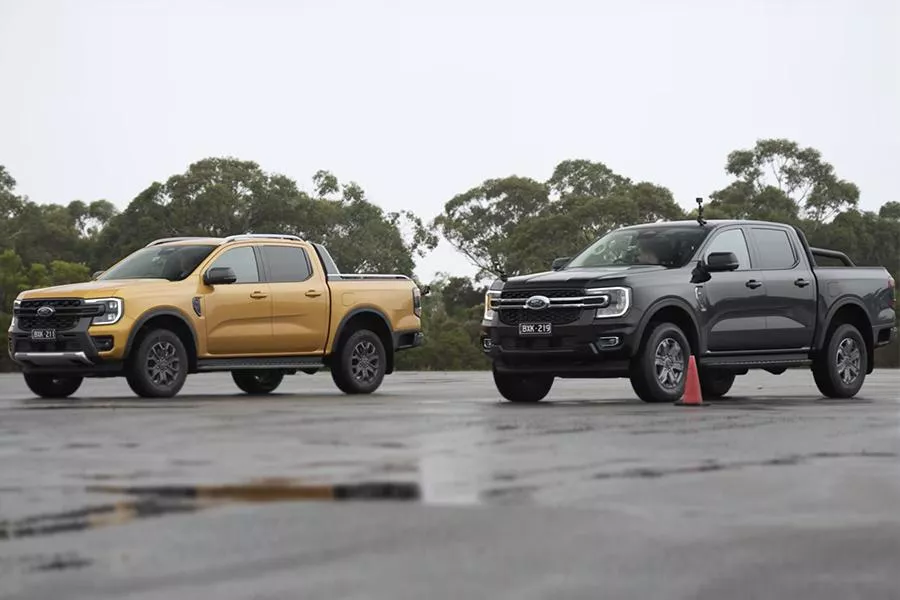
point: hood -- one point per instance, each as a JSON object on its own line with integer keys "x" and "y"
{"x": 91, "y": 289}
{"x": 578, "y": 276}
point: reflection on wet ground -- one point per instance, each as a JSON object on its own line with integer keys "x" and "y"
{"x": 155, "y": 501}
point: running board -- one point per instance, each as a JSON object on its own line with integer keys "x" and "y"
{"x": 758, "y": 361}
{"x": 268, "y": 362}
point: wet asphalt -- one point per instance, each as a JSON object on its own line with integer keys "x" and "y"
{"x": 433, "y": 488}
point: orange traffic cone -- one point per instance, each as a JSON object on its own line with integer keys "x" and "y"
{"x": 692, "y": 395}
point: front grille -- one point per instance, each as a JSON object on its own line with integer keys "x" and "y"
{"x": 60, "y": 323}
{"x": 68, "y": 312}
{"x": 556, "y": 316}
{"x": 525, "y": 294}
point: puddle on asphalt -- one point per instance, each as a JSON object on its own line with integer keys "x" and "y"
{"x": 156, "y": 501}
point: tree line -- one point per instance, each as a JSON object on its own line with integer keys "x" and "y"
{"x": 508, "y": 225}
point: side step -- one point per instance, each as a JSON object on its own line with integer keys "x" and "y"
{"x": 758, "y": 361}
{"x": 207, "y": 365}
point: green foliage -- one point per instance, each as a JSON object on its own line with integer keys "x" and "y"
{"x": 518, "y": 225}
{"x": 779, "y": 180}
{"x": 222, "y": 196}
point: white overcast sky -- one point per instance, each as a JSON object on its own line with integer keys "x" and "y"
{"x": 417, "y": 101}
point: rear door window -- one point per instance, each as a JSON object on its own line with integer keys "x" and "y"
{"x": 774, "y": 248}
{"x": 286, "y": 263}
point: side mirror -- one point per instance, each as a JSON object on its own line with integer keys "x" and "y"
{"x": 718, "y": 262}
{"x": 219, "y": 276}
{"x": 96, "y": 275}
{"x": 559, "y": 263}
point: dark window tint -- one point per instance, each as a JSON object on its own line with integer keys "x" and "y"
{"x": 242, "y": 261}
{"x": 732, "y": 241}
{"x": 286, "y": 263}
{"x": 774, "y": 248}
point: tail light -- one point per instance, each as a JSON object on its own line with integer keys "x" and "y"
{"x": 417, "y": 301}
{"x": 893, "y": 288}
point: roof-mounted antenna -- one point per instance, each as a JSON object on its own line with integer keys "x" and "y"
{"x": 700, "y": 218}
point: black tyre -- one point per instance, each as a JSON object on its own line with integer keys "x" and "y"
{"x": 522, "y": 388}
{"x": 50, "y": 386}
{"x": 158, "y": 367}
{"x": 715, "y": 383}
{"x": 257, "y": 383}
{"x": 659, "y": 371}
{"x": 840, "y": 369}
{"x": 360, "y": 363}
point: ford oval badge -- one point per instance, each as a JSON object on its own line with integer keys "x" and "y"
{"x": 537, "y": 302}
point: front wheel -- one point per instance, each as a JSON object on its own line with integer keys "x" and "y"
{"x": 840, "y": 369}
{"x": 522, "y": 388}
{"x": 659, "y": 371}
{"x": 158, "y": 368}
{"x": 50, "y": 386}
{"x": 257, "y": 383}
{"x": 360, "y": 364}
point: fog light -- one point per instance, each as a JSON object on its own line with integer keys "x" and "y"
{"x": 487, "y": 343}
{"x": 103, "y": 343}
{"x": 608, "y": 342}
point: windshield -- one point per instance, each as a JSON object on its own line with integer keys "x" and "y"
{"x": 670, "y": 246}
{"x": 160, "y": 262}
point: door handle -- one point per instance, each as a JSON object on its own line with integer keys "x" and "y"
{"x": 258, "y": 295}
{"x": 313, "y": 293}
{"x": 801, "y": 282}
{"x": 753, "y": 284}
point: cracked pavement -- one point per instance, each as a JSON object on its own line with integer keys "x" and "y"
{"x": 770, "y": 492}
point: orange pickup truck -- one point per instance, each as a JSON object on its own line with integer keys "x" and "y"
{"x": 257, "y": 305}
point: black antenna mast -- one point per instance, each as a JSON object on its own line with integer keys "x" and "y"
{"x": 700, "y": 218}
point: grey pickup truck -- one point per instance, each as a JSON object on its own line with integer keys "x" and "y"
{"x": 641, "y": 300}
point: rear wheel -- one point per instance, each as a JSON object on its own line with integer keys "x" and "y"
{"x": 522, "y": 388}
{"x": 51, "y": 386}
{"x": 659, "y": 371}
{"x": 840, "y": 369}
{"x": 257, "y": 383}
{"x": 158, "y": 368}
{"x": 715, "y": 383}
{"x": 361, "y": 363}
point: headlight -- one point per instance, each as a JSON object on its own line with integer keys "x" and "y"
{"x": 113, "y": 310}
{"x": 616, "y": 301}
{"x": 488, "y": 298}
{"x": 13, "y": 322}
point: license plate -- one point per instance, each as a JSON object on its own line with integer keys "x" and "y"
{"x": 535, "y": 329}
{"x": 43, "y": 335}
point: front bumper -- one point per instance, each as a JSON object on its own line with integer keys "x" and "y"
{"x": 587, "y": 347}
{"x": 80, "y": 351}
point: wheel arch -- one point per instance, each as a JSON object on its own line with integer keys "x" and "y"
{"x": 674, "y": 310}
{"x": 171, "y": 318}
{"x": 851, "y": 311}
{"x": 367, "y": 317}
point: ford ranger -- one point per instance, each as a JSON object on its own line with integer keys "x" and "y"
{"x": 641, "y": 300}
{"x": 258, "y": 305}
